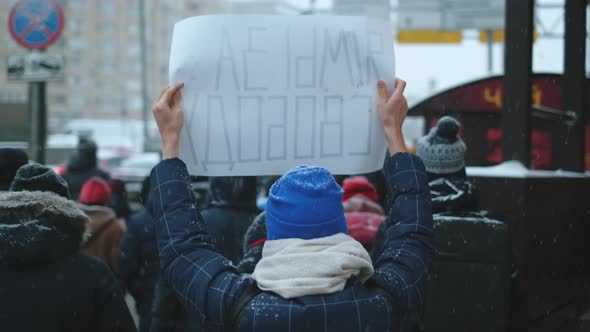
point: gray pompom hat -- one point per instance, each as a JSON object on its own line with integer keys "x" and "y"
{"x": 442, "y": 151}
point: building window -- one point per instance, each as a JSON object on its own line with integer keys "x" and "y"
{"x": 76, "y": 101}
{"x": 106, "y": 8}
{"x": 75, "y": 25}
{"x": 132, "y": 8}
{"x": 133, "y": 29}
{"x": 106, "y": 66}
{"x": 77, "y": 43}
{"x": 134, "y": 103}
{"x": 74, "y": 81}
{"x": 106, "y": 29}
{"x": 133, "y": 49}
{"x": 75, "y": 5}
{"x": 107, "y": 48}
{"x": 58, "y": 99}
{"x": 134, "y": 67}
{"x": 133, "y": 86}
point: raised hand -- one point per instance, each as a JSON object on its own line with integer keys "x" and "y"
{"x": 392, "y": 112}
{"x": 170, "y": 119}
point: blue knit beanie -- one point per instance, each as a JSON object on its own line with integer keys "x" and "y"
{"x": 305, "y": 203}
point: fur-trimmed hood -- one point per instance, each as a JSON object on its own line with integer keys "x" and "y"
{"x": 39, "y": 227}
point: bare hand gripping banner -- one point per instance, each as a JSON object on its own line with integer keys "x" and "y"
{"x": 264, "y": 94}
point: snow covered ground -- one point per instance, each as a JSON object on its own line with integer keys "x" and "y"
{"x": 515, "y": 169}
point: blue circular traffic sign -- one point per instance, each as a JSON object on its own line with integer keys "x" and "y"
{"x": 36, "y": 24}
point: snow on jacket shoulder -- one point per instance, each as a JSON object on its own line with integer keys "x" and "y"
{"x": 208, "y": 284}
{"x": 46, "y": 284}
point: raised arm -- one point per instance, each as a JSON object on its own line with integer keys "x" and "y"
{"x": 203, "y": 279}
{"x": 402, "y": 267}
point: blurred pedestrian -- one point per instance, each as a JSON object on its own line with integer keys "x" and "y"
{"x": 82, "y": 166}
{"x": 119, "y": 199}
{"x": 311, "y": 275}
{"x": 443, "y": 154}
{"x": 46, "y": 283}
{"x": 10, "y": 161}
{"x": 231, "y": 210}
{"x": 106, "y": 230}
{"x": 138, "y": 260}
{"x": 363, "y": 213}
{"x": 253, "y": 244}
{"x": 482, "y": 255}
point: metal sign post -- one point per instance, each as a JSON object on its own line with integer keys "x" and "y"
{"x": 569, "y": 149}
{"x": 35, "y": 25}
{"x": 38, "y": 115}
{"x": 516, "y": 122}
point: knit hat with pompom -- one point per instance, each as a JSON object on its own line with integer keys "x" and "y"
{"x": 442, "y": 151}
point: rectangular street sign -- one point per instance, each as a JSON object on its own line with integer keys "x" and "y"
{"x": 35, "y": 67}
{"x": 451, "y": 15}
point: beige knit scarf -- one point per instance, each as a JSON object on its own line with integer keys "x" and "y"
{"x": 296, "y": 267}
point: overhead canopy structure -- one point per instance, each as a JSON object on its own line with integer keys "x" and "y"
{"x": 479, "y": 105}
{"x": 451, "y": 15}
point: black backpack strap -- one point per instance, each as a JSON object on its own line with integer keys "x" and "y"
{"x": 240, "y": 303}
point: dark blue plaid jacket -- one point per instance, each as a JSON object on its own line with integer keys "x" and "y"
{"x": 208, "y": 284}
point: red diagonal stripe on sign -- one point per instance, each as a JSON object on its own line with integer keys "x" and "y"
{"x": 35, "y": 22}
{"x": 26, "y": 31}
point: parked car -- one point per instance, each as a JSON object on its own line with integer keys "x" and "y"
{"x": 136, "y": 167}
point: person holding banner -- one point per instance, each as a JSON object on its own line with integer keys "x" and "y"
{"x": 335, "y": 287}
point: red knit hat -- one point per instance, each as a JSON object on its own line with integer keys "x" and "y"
{"x": 359, "y": 185}
{"x": 95, "y": 191}
{"x": 363, "y": 226}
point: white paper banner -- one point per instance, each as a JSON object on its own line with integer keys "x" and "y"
{"x": 264, "y": 94}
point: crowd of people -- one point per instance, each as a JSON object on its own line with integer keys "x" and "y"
{"x": 320, "y": 257}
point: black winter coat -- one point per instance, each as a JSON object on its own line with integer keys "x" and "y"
{"x": 79, "y": 169}
{"x": 45, "y": 283}
{"x": 253, "y": 244}
{"x": 210, "y": 286}
{"x": 453, "y": 194}
{"x": 138, "y": 264}
{"x": 231, "y": 211}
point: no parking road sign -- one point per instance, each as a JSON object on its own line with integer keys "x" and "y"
{"x": 36, "y": 24}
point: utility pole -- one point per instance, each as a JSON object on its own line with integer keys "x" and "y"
{"x": 38, "y": 117}
{"x": 490, "y": 34}
{"x": 568, "y": 147}
{"x": 516, "y": 113}
{"x": 144, "y": 69}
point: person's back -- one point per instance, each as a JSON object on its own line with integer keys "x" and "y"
{"x": 363, "y": 213}
{"x": 106, "y": 229}
{"x": 443, "y": 153}
{"x": 82, "y": 166}
{"x": 138, "y": 261}
{"x": 231, "y": 211}
{"x": 119, "y": 200}
{"x": 10, "y": 161}
{"x": 46, "y": 284}
{"x": 387, "y": 295}
{"x": 482, "y": 255}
